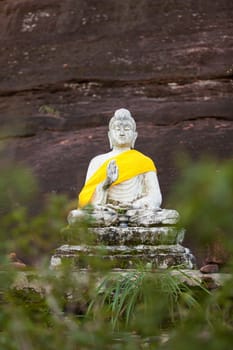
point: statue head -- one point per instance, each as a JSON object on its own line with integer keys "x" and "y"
{"x": 122, "y": 129}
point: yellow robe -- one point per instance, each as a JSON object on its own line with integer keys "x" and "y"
{"x": 130, "y": 163}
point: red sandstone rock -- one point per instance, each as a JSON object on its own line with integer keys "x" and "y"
{"x": 14, "y": 261}
{"x": 209, "y": 268}
{"x": 67, "y": 65}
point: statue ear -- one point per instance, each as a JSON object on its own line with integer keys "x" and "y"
{"x": 110, "y": 140}
{"x": 134, "y": 139}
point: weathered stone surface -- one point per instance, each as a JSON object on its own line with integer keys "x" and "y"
{"x": 209, "y": 268}
{"x": 106, "y": 217}
{"x": 194, "y": 278}
{"x": 71, "y": 250}
{"x": 128, "y": 247}
{"x": 138, "y": 235}
{"x": 153, "y": 217}
{"x": 67, "y": 65}
{"x": 125, "y": 257}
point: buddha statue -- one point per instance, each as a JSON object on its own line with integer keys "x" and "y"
{"x": 123, "y": 179}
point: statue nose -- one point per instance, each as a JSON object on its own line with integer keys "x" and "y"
{"x": 122, "y": 132}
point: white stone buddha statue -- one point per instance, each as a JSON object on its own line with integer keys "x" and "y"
{"x": 121, "y": 178}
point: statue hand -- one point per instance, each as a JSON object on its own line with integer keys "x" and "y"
{"x": 112, "y": 171}
{"x": 112, "y": 174}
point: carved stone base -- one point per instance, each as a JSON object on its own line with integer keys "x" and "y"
{"x": 129, "y": 247}
{"x": 125, "y": 257}
{"x": 138, "y": 235}
{"x": 106, "y": 216}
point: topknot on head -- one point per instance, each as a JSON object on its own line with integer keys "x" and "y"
{"x": 123, "y": 114}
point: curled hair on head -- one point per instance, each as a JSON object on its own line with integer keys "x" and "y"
{"x": 122, "y": 114}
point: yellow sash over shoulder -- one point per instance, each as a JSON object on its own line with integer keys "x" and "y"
{"x": 130, "y": 163}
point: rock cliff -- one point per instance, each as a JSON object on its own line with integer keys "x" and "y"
{"x": 67, "y": 65}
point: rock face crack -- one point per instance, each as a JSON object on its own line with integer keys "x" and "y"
{"x": 74, "y": 84}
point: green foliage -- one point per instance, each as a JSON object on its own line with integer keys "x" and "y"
{"x": 127, "y": 296}
{"x": 49, "y": 110}
{"x": 204, "y": 197}
{"x": 17, "y": 186}
{"x": 46, "y": 309}
{"x": 69, "y": 233}
{"x": 33, "y": 236}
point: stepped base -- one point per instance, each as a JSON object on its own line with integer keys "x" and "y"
{"x": 137, "y": 235}
{"x": 127, "y": 248}
{"x": 125, "y": 257}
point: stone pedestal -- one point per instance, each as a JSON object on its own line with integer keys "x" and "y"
{"x": 128, "y": 248}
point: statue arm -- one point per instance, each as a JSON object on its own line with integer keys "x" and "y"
{"x": 99, "y": 196}
{"x": 93, "y": 166}
{"x": 101, "y": 191}
{"x": 153, "y": 188}
{"x": 153, "y": 197}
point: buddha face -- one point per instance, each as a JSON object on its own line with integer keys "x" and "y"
{"x": 122, "y": 133}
